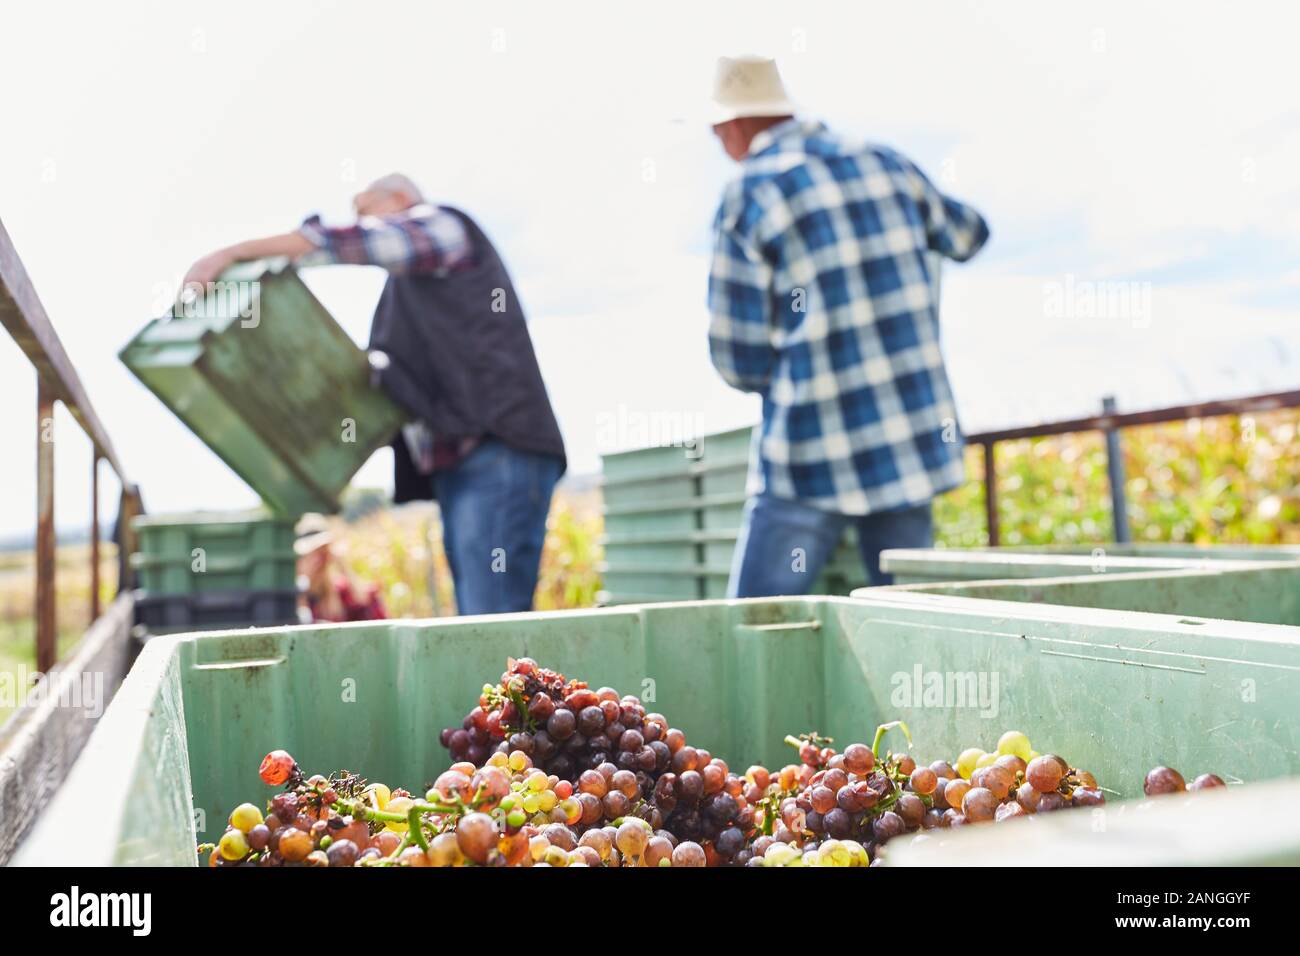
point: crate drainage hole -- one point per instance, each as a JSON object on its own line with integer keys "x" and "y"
{"x": 1188, "y": 620}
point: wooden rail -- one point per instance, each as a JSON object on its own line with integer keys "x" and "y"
{"x": 24, "y": 317}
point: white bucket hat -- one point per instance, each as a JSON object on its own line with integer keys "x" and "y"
{"x": 748, "y": 86}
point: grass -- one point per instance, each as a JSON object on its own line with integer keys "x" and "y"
{"x": 72, "y": 606}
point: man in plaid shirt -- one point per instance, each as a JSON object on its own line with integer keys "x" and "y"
{"x": 823, "y": 302}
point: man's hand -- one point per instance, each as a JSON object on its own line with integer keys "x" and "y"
{"x": 208, "y": 269}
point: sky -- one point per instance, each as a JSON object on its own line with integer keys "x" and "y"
{"x": 1139, "y": 165}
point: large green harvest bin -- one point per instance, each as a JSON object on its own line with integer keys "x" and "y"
{"x": 1266, "y": 593}
{"x": 1157, "y": 549}
{"x": 672, "y": 518}
{"x": 1118, "y": 692}
{"x": 264, "y": 375}
{"x": 203, "y": 552}
{"x": 927, "y": 565}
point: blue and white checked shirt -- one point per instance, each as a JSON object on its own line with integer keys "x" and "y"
{"x": 823, "y": 303}
{"x": 423, "y": 239}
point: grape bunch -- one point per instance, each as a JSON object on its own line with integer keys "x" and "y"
{"x": 563, "y": 725}
{"x": 548, "y": 772}
{"x": 506, "y": 813}
{"x": 622, "y": 759}
{"x": 314, "y": 822}
{"x": 840, "y": 809}
{"x": 703, "y": 802}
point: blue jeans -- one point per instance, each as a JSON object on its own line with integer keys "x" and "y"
{"x": 784, "y": 544}
{"x": 494, "y": 505}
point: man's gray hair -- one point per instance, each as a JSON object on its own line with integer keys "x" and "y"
{"x": 398, "y": 183}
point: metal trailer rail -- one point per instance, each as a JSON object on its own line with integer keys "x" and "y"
{"x": 23, "y": 316}
{"x": 45, "y": 735}
{"x": 1110, "y": 423}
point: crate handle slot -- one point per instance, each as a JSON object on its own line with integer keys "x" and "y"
{"x": 252, "y": 662}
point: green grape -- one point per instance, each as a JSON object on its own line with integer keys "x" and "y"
{"x": 1015, "y": 743}
{"x": 967, "y": 762}
{"x": 779, "y": 854}
{"x": 537, "y": 847}
{"x": 834, "y": 853}
{"x": 233, "y": 845}
{"x": 244, "y": 817}
{"x": 400, "y": 805}
{"x": 857, "y": 852}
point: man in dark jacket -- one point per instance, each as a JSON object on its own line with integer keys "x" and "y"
{"x": 450, "y": 344}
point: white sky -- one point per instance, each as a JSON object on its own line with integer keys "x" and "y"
{"x": 1156, "y": 143}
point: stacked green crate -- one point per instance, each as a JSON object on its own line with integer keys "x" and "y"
{"x": 651, "y": 543}
{"x": 214, "y": 569}
{"x": 723, "y": 474}
{"x": 262, "y": 373}
{"x": 672, "y": 519}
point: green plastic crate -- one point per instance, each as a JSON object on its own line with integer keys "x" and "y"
{"x": 672, "y": 519}
{"x": 203, "y": 552}
{"x": 1117, "y": 692}
{"x": 283, "y": 396}
{"x": 930, "y": 565}
{"x": 209, "y": 610}
{"x": 1249, "y": 591}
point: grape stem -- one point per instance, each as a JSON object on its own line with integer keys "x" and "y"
{"x": 885, "y": 728}
{"x": 384, "y": 816}
{"x": 416, "y": 828}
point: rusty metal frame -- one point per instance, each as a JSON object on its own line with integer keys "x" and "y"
{"x": 24, "y": 317}
{"x": 1111, "y": 423}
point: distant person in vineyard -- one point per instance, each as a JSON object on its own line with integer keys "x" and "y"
{"x": 449, "y": 343}
{"x": 329, "y": 590}
{"x": 822, "y": 303}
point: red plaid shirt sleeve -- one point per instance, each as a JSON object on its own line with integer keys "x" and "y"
{"x": 424, "y": 239}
